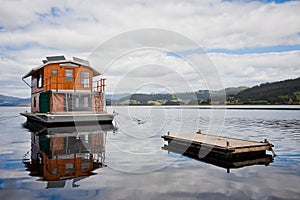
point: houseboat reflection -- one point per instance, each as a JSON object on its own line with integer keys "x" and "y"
{"x": 62, "y": 153}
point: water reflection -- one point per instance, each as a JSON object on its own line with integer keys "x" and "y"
{"x": 62, "y": 153}
{"x": 220, "y": 161}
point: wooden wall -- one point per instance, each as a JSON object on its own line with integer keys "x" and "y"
{"x": 59, "y": 81}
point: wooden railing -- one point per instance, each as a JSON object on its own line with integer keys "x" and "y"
{"x": 58, "y": 83}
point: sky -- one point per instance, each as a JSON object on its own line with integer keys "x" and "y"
{"x": 154, "y": 46}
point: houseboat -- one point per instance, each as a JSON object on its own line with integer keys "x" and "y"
{"x": 65, "y": 92}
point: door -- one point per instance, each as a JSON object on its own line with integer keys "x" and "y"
{"x": 45, "y": 102}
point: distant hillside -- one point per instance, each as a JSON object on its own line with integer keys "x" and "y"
{"x": 13, "y": 101}
{"x": 282, "y": 92}
{"x": 234, "y": 90}
{"x": 194, "y": 97}
{"x": 116, "y": 96}
{"x": 188, "y": 98}
{"x": 149, "y": 99}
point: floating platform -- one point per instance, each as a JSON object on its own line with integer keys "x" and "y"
{"x": 217, "y": 146}
{"x": 64, "y": 119}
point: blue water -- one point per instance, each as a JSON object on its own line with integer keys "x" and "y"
{"x": 136, "y": 167}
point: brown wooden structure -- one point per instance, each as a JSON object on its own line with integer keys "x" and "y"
{"x": 61, "y": 85}
{"x": 217, "y": 146}
{"x": 264, "y": 159}
{"x": 65, "y": 87}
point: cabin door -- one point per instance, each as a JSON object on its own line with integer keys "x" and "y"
{"x": 45, "y": 102}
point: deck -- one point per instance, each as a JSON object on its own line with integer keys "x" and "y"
{"x": 217, "y": 145}
{"x": 64, "y": 119}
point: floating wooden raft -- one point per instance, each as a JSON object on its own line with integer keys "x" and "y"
{"x": 224, "y": 162}
{"x": 217, "y": 145}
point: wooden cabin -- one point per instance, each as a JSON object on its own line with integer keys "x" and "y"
{"x": 60, "y": 85}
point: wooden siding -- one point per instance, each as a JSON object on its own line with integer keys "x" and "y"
{"x": 60, "y": 84}
{"x": 55, "y": 169}
{"x": 59, "y": 81}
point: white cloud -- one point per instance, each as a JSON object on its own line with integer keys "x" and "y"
{"x": 74, "y": 28}
{"x": 213, "y": 24}
{"x": 251, "y": 69}
{"x": 140, "y": 69}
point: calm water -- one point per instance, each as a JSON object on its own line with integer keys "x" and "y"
{"x": 134, "y": 166}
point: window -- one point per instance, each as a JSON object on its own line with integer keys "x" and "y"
{"x": 54, "y": 71}
{"x": 34, "y": 102}
{"x": 69, "y": 75}
{"x": 54, "y": 171}
{"x": 77, "y": 102}
{"x": 86, "y": 102}
{"x": 69, "y": 168}
{"x": 40, "y": 80}
{"x": 85, "y": 79}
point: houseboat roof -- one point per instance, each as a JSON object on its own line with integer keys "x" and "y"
{"x": 76, "y": 62}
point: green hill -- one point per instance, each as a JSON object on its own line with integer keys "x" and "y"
{"x": 149, "y": 99}
{"x": 234, "y": 90}
{"x": 281, "y": 92}
{"x": 188, "y": 98}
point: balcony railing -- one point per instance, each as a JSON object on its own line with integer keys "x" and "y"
{"x": 58, "y": 83}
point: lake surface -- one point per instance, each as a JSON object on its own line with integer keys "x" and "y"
{"x": 133, "y": 164}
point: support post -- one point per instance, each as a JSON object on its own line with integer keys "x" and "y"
{"x": 56, "y": 83}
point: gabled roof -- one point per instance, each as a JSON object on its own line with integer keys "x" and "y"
{"x": 75, "y": 62}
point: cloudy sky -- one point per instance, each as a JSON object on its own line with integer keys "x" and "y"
{"x": 154, "y": 46}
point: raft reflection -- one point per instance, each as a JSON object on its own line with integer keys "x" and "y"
{"x": 214, "y": 159}
{"x": 62, "y": 153}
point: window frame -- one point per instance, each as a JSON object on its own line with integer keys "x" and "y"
{"x": 40, "y": 80}
{"x": 85, "y": 81}
{"x": 68, "y": 77}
